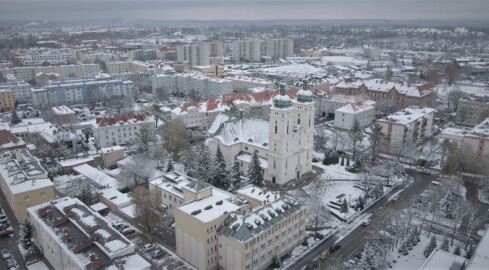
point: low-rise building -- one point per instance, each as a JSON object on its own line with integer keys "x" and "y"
{"x": 362, "y": 112}
{"x": 171, "y": 187}
{"x": 9, "y": 141}
{"x": 72, "y": 236}
{"x": 114, "y": 199}
{"x": 476, "y": 138}
{"x": 68, "y": 165}
{"x": 396, "y": 95}
{"x": 120, "y": 129}
{"x": 407, "y": 127}
{"x": 217, "y": 230}
{"x": 110, "y": 155}
{"x": 24, "y": 182}
{"x": 472, "y": 111}
{"x": 63, "y": 115}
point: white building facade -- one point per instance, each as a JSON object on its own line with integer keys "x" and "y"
{"x": 362, "y": 112}
{"x": 280, "y": 48}
{"x": 196, "y": 55}
{"x": 246, "y": 50}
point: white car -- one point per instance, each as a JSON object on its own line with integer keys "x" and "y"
{"x": 366, "y": 222}
{"x": 6, "y": 254}
{"x": 148, "y": 247}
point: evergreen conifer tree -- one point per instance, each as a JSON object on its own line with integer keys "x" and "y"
{"x": 368, "y": 261}
{"x": 220, "y": 177}
{"x": 203, "y": 164}
{"x": 14, "y": 118}
{"x": 255, "y": 173}
{"x": 342, "y": 161}
{"x": 169, "y": 164}
{"x": 26, "y": 234}
{"x": 235, "y": 175}
{"x": 457, "y": 251}
{"x": 445, "y": 245}
{"x": 431, "y": 246}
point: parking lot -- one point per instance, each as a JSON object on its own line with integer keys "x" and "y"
{"x": 168, "y": 261}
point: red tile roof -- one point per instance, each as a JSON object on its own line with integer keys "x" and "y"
{"x": 7, "y": 137}
{"x": 109, "y": 121}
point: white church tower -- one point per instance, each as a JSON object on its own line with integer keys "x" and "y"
{"x": 290, "y": 136}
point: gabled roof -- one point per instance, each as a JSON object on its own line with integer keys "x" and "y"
{"x": 385, "y": 86}
{"x": 7, "y": 139}
{"x": 111, "y": 121}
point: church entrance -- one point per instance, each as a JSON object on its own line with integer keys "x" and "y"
{"x": 273, "y": 179}
{"x": 297, "y": 175}
{"x": 324, "y": 114}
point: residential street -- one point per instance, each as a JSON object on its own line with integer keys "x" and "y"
{"x": 380, "y": 211}
{"x": 10, "y": 243}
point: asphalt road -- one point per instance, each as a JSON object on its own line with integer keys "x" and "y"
{"x": 380, "y": 211}
{"x": 10, "y": 243}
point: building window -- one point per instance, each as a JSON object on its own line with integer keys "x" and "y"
{"x": 247, "y": 256}
{"x": 262, "y": 258}
{"x": 43, "y": 194}
{"x": 27, "y": 197}
{"x": 255, "y": 262}
{"x": 262, "y": 246}
{"x": 270, "y": 253}
{"x": 27, "y": 206}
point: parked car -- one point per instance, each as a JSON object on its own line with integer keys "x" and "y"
{"x": 127, "y": 231}
{"x": 6, "y": 233}
{"x": 324, "y": 255}
{"x": 148, "y": 247}
{"x": 366, "y": 222}
{"x": 312, "y": 265}
{"x": 395, "y": 197}
{"x": 157, "y": 253}
{"x": 334, "y": 248}
{"x": 10, "y": 262}
{"x": 3, "y": 217}
{"x": 6, "y": 254}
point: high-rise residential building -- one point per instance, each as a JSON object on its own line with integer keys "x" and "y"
{"x": 216, "y": 48}
{"x": 24, "y": 182}
{"x": 472, "y": 110}
{"x": 280, "y": 48}
{"x": 246, "y": 50}
{"x": 285, "y": 151}
{"x": 196, "y": 55}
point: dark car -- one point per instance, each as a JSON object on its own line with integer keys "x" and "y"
{"x": 313, "y": 265}
{"x": 157, "y": 253}
{"x": 334, "y": 248}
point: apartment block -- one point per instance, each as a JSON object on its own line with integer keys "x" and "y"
{"x": 129, "y": 66}
{"x": 204, "y": 87}
{"x": 196, "y": 55}
{"x": 70, "y": 235}
{"x": 121, "y": 129}
{"x": 246, "y": 50}
{"x": 66, "y": 71}
{"x": 79, "y": 91}
{"x": 410, "y": 126}
{"x": 6, "y": 100}
{"x": 171, "y": 187}
{"x": 362, "y": 112}
{"x": 475, "y": 138}
{"x": 21, "y": 90}
{"x": 218, "y": 230}
{"x": 280, "y": 48}
{"x": 24, "y": 182}
{"x": 243, "y": 83}
{"x": 472, "y": 110}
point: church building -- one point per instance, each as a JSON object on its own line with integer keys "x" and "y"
{"x": 284, "y": 143}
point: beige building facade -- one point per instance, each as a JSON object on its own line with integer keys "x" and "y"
{"x": 472, "y": 110}
{"x": 24, "y": 182}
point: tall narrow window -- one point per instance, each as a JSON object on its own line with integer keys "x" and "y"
{"x": 275, "y": 127}
{"x": 298, "y": 119}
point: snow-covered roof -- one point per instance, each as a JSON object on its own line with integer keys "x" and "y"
{"x": 210, "y": 208}
{"x": 171, "y": 182}
{"x": 98, "y": 206}
{"x": 131, "y": 118}
{"x": 357, "y": 107}
{"x": 250, "y": 131}
{"x": 222, "y": 103}
{"x": 246, "y": 157}
{"x": 132, "y": 262}
{"x": 384, "y": 86}
{"x": 62, "y": 110}
{"x": 294, "y": 69}
{"x": 407, "y": 115}
{"x": 111, "y": 149}
{"x": 116, "y": 197}
{"x": 258, "y": 194}
{"x": 440, "y": 259}
{"x": 480, "y": 258}
{"x": 260, "y": 220}
{"x": 22, "y": 172}
{"x": 9, "y": 140}
{"x": 98, "y": 178}
{"x": 84, "y": 227}
{"x": 74, "y": 162}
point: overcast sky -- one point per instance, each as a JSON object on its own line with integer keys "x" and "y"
{"x": 243, "y": 9}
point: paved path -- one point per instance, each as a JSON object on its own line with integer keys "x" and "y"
{"x": 380, "y": 211}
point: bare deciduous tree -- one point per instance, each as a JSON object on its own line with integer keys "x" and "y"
{"x": 452, "y": 71}
{"x": 147, "y": 207}
{"x": 175, "y": 136}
